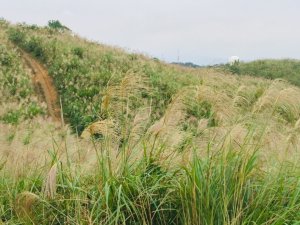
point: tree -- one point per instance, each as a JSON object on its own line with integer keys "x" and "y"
{"x": 55, "y": 24}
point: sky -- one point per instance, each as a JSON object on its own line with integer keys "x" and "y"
{"x": 199, "y": 31}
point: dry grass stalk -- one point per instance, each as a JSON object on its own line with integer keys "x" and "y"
{"x": 24, "y": 205}
{"x": 217, "y": 98}
{"x": 242, "y": 97}
{"x": 107, "y": 128}
{"x": 281, "y": 98}
{"x": 139, "y": 124}
{"x": 293, "y": 134}
{"x": 130, "y": 85}
{"x": 167, "y": 129}
{"x": 175, "y": 113}
{"x": 49, "y": 188}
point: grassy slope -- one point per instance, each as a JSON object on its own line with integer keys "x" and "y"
{"x": 287, "y": 69}
{"x": 173, "y": 145}
{"x": 17, "y": 93}
{"x": 82, "y": 72}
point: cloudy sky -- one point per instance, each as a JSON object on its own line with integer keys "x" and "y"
{"x": 200, "y": 31}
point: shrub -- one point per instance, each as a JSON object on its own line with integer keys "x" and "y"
{"x": 16, "y": 36}
{"x": 32, "y": 110}
{"x": 34, "y": 46}
{"x": 12, "y": 117}
{"x": 202, "y": 110}
{"x": 6, "y": 59}
{"x": 78, "y": 52}
{"x": 234, "y": 68}
{"x": 56, "y": 25}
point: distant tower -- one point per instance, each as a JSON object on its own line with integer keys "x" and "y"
{"x": 233, "y": 60}
{"x": 178, "y": 58}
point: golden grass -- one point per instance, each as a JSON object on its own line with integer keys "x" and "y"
{"x": 44, "y": 139}
{"x": 24, "y": 204}
{"x": 130, "y": 151}
{"x": 49, "y": 187}
{"x": 278, "y": 135}
{"x": 271, "y": 108}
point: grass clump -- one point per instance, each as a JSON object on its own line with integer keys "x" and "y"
{"x": 224, "y": 187}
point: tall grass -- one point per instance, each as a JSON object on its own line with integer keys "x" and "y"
{"x": 227, "y": 186}
{"x": 154, "y": 143}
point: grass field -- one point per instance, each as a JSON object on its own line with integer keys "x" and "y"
{"x": 288, "y": 69}
{"x": 144, "y": 142}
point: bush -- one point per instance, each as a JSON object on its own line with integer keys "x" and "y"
{"x": 12, "y": 117}
{"x": 34, "y": 46}
{"x": 78, "y": 51}
{"x": 55, "y": 24}
{"x": 16, "y": 36}
{"x": 6, "y": 59}
{"x": 32, "y": 110}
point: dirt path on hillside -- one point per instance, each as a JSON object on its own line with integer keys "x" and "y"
{"x": 44, "y": 86}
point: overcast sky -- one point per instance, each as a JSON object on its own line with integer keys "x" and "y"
{"x": 200, "y": 31}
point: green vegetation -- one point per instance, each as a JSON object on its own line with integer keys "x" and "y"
{"x": 15, "y": 84}
{"x": 225, "y": 187}
{"x": 287, "y": 69}
{"x": 55, "y": 24}
{"x": 149, "y": 143}
{"x": 25, "y": 112}
{"x": 83, "y": 76}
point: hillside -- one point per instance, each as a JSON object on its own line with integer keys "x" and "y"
{"x": 287, "y": 69}
{"x": 141, "y": 141}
